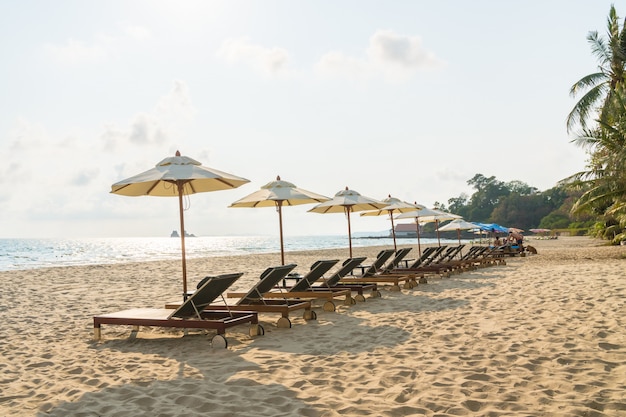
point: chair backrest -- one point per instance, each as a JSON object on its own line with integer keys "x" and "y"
{"x": 471, "y": 253}
{"x": 435, "y": 256}
{"x": 400, "y": 255}
{"x": 426, "y": 253}
{"x": 268, "y": 280}
{"x": 347, "y": 267}
{"x": 451, "y": 253}
{"x": 377, "y": 266}
{"x": 212, "y": 288}
{"x": 318, "y": 269}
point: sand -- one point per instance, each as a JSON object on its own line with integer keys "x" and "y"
{"x": 542, "y": 335}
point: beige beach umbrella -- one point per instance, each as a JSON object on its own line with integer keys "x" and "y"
{"x": 395, "y": 205}
{"x": 438, "y": 217}
{"x": 176, "y": 176}
{"x": 458, "y": 225}
{"x": 426, "y": 215}
{"x": 277, "y": 194}
{"x": 348, "y": 201}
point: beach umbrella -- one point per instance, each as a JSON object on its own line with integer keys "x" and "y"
{"x": 277, "y": 194}
{"x": 395, "y": 205}
{"x": 176, "y": 176}
{"x": 432, "y": 215}
{"x": 458, "y": 225}
{"x": 348, "y": 201}
{"x": 424, "y": 211}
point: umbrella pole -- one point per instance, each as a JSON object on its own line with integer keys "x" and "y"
{"x": 349, "y": 231}
{"x": 393, "y": 231}
{"x": 280, "y": 221}
{"x": 438, "y": 238}
{"x": 417, "y": 226}
{"x": 182, "y": 237}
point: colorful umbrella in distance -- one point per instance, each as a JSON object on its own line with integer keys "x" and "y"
{"x": 176, "y": 176}
{"x": 277, "y": 194}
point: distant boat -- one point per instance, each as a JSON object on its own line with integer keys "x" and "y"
{"x": 175, "y": 234}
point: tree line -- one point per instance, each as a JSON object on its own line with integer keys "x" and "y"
{"x": 517, "y": 204}
{"x": 594, "y": 199}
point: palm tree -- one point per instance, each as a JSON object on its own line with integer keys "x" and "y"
{"x": 599, "y": 86}
{"x": 604, "y": 181}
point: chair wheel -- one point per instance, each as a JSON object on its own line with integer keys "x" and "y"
{"x": 257, "y": 330}
{"x": 329, "y": 306}
{"x": 283, "y": 323}
{"x": 219, "y": 342}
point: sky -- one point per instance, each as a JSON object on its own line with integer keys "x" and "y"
{"x": 403, "y": 98}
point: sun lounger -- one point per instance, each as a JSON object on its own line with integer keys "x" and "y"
{"x": 426, "y": 264}
{"x": 395, "y": 261}
{"x": 191, "y": 314}
{"x": 333, "y": 282}
{"x": 300, "y": 291}
{"x": 374, "y": 274}
{"x": 254, "y": 300}
{"x": 378, "y": 264}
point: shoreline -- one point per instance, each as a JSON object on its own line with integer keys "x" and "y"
{"x": 542, "y": 335}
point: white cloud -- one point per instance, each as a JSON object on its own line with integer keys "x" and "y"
{"x": 104, "y": 47}
{"x": 271, "y": 61}
{"x": 146, "y": 129}
{"x": 395, "y": 57}
{"x": 168, "y": 119}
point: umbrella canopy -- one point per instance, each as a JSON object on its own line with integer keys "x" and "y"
{"x": 492, "y": 227}
{"x": 348, "y": 201}
{"x": 423, "y": 211}
{"x": 176, "y": 176}
{"x": 458, "y": 225}
{"x": 277, "y": 194}
{"x": 395, "y": 205}
{"x": 432, "y": 215}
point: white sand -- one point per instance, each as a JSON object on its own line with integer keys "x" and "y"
{"x": 543, "y": 335}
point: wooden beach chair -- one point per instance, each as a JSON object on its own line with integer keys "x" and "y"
{"x": 254, "y": 300}
{"x": 191, "y": 314}
{"x": 374, "y": 274}
{"x": 395, "y": 261}
{"x": 333, "y": 282}
{"x": 300, "y": 291}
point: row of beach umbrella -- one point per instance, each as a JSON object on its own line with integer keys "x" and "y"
{"x": 178, "y": 176}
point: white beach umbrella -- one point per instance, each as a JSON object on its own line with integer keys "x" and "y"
{"x": 176, "y": 176}
{"x": 277, "y": 194}
{"x": 348, "y": 201}
{"x": 395, "y": 205}
{"x": 458, "y": 225}
{"x": 427, "y": 215}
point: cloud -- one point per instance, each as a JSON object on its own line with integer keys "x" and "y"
{"x": 271, "y": 61}
{"x": 103, "y": 48}
{"x": 170, "y": 116}
{"x": 393, "y": 56}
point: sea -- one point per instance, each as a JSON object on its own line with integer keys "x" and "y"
{"x": 24, "y": 254}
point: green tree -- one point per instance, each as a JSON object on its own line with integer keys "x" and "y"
{"x": 597, "y": 88}
{"x": 603, "y": 183}
{"x": 489, "y": 192}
